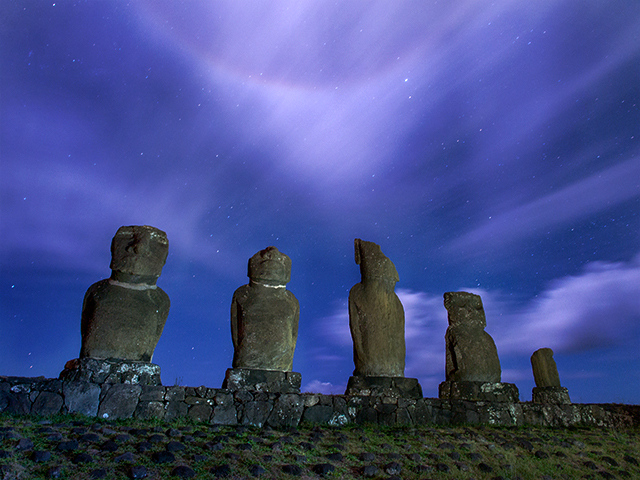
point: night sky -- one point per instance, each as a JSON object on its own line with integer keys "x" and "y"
{"x": 491, "y": 148}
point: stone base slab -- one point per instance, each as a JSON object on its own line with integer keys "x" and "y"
{"x": 96, "y": 370}
{"x": 555, "y": 395}
{"x": 479, "y": 391}
{"x": 395, "y": 387}
{"x": 269, "y": 381}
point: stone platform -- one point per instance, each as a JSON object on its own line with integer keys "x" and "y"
{"x": 270, "y": 381}
{"x": 552, "y": 395}
{"x": 96, "y": 370}
{"x": 42, "y": 396}
{"x": 479, "y": 391}
{"x": 395, "y": 387}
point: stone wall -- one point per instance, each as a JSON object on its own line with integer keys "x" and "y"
{"x": 41, "y": 396}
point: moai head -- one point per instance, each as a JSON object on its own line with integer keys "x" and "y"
{"x": 139, "y": 250}
{"x": 270, "y": 267}
{"x": 373, "y": 263}
{"x": 465, "y": 309}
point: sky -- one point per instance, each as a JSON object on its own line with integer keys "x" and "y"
{"x": 486, "y": 147}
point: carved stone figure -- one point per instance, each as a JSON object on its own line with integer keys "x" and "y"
{"x": 471, "y": 354}
{"x": 545, "y": 374}
{"x": 264, "y": 315}
{"x": 545, "y": 370}
{"x": 472, "y": 364}
{"x": 123, "y": 316}
{"x": 376, "y": 316}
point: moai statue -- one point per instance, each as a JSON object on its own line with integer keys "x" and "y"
{"x": 123, "y": 316}
{"x": 264, "y": 327}
{"x": 376, "y": 319}
{"x": 545, "y": 374}
{"x": 472, "y": 363}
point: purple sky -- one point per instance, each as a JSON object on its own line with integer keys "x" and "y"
{"x": 492, "y": 149}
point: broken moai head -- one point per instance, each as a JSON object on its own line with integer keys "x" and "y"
{"x": 545, "y": 370}
{"x": 139, "y": 250}
{"x": 373, "y": 263}
{"x": 471, "y": 354}
{"x": 465, "y": 309}
{"x": 270, "y": 267}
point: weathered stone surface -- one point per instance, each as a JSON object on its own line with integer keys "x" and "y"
{"x": 395, "y": 387}
{"x": 545, "y": 370}
{"x": 479, "y": 391}
{"x": 471, "y": 354}
{"x": 262, "y": 380}
{"x": 287, "y": 411}
{"x": 150, "y": 409}
{"x": 264, "y": 315}
{"x": 256, "y": 413}
{"x": 200, "y": 413}
{"x": 318, "y": 414}
{"x": 225, "y": 415}
{"x": 556, "y": 395}
{"x": 96, "y": 370}
{"x": 175, "y": 409}
{"x": 376, "y": 316}
{"x": 81, "y": 397}
{"x": 120, "y": 401}
{"x": 47, "y": 403}
{"x": 123, "y": 316}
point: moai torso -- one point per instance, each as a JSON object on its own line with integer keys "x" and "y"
{"x": 376, "y": 316}
{"x": 471, "y": 354}
{"x": 264, "y": 315}
{"x": 123, "y": 316}
{"x": 545, "y": 370}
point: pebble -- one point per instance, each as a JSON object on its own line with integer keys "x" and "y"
{"x": 138, "y": 471}
{"x": 323, "y": 468}
{"x": 163, "y": 457}
{"x": 183, "y": 471}
{"x": 221, "y": 471}
{"x": 294, "y": 470}
{"x": 40, "y": 456}
{"x": 370, "y": 471}
{"x": 257, "y": 470}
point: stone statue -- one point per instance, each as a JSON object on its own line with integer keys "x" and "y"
{"x": 376, "y": 316}
{"x": 123, "y": 316}
{"x": 472, "y": 365}
{"x": 471, "y": 354}
{"x": 264, "y": 315}
{"x": 545, "y": 374}
{"x": 545, "y": 371}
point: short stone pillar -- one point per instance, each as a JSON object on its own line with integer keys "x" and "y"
{"x": 472, "y": 365}
{"x": 123, "y": 316}
{"x": 264, "y": 327}
{"x": 376, "y": 320}
{"x": 545, "y": 374}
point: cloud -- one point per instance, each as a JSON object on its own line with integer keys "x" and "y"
{"x": 327, "y": 388}
{"x": 600, "y": 191}
{"x": 598, "y": 308}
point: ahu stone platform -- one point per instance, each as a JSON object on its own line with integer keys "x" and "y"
{"x": 41, "y": 396}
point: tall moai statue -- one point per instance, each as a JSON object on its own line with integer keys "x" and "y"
{"x": 472, "y": 368}
{"x": 376, "y": 320}
{"x": 545, "y": 374}
{"x": 264, "y": 327}
{"x": 123, "y": 316}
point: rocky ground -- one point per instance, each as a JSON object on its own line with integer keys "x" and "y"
{"x": 86, "y": 448}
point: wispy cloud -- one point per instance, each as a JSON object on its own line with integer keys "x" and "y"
{"x": 590, "y": 195}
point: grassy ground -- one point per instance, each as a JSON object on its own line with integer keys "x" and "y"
{"x": 79, "y": 447}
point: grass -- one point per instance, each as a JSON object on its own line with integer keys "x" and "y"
{"x": 460, "y": 452}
